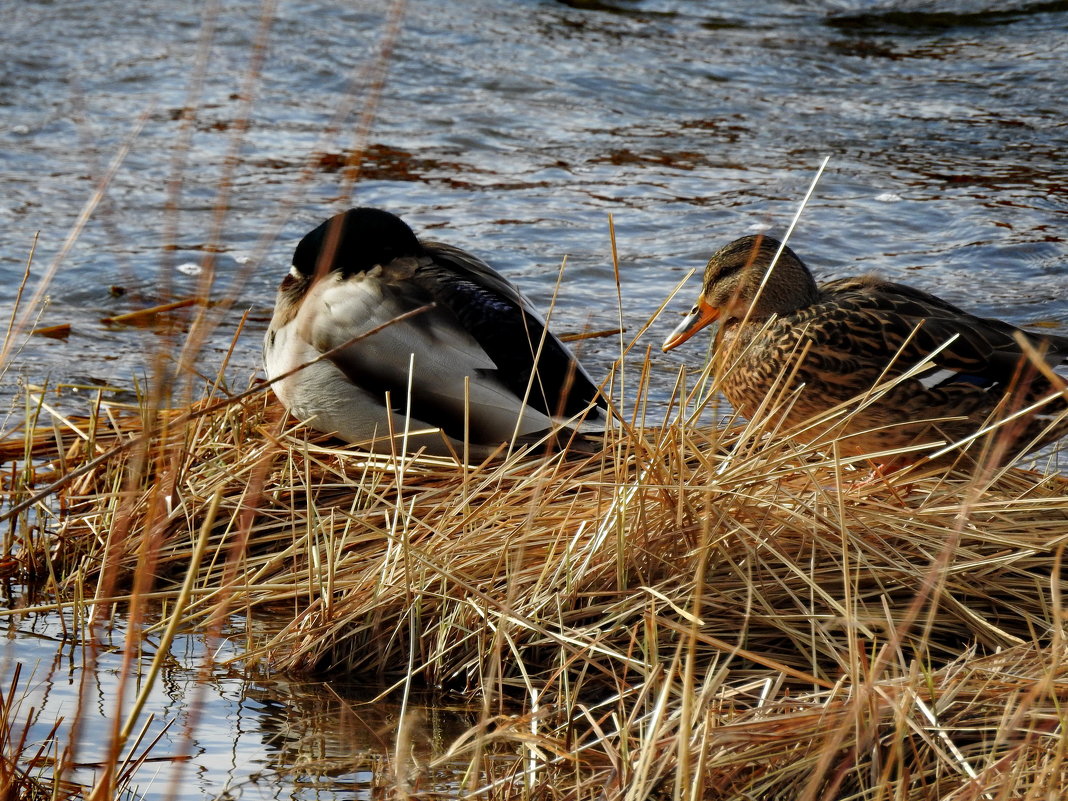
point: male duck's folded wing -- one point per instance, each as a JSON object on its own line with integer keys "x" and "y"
{"x": 509, "y": 330}
{"x": 435, "y": 393}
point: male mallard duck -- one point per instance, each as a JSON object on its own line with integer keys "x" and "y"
{"x": 854, "y": 333}
{"x": 364, "y": 268}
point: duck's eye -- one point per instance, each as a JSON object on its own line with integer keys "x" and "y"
{"x": 693, "y": 311}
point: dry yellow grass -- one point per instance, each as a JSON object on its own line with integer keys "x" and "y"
{"x": 693, "y": 613}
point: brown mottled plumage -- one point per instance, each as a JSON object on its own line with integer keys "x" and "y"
{"x": 838, "y": 340}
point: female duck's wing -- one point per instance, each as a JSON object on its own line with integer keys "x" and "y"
{"x": 510, "y": 331}
{"x": 888, "y": 319}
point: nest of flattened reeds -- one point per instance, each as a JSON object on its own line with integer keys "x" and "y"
{"x": 755, "y": 612}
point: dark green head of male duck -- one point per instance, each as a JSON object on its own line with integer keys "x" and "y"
{"x": 355, "y": 241}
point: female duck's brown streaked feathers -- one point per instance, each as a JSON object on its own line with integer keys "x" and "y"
{"x": 838, "y": 340}
{"x": 479, "y": 360}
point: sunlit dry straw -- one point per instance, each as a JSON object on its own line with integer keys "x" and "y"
{"x": 694, "y": 609}
{"x": 566, "y": 579}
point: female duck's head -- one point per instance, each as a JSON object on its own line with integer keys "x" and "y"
{"x": 734, "y": 286}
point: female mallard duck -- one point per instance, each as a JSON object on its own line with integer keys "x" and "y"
{"x": 478, "y": 363}
{"x": 837, "y": 341}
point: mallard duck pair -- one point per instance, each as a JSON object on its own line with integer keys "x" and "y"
{"x": 907, "y": 368}
{"x": 473, "y": 364}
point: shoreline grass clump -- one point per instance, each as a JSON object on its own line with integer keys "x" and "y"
{"x": 692, "y": 612}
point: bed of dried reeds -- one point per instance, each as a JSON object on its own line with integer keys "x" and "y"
{"x": 693, "y": 612}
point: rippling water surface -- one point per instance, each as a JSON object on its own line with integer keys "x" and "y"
{"x": 514, "y": 129}
{"x": 225, "y": 734}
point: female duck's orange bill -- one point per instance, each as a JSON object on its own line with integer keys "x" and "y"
{"x": 701, "y": 315}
